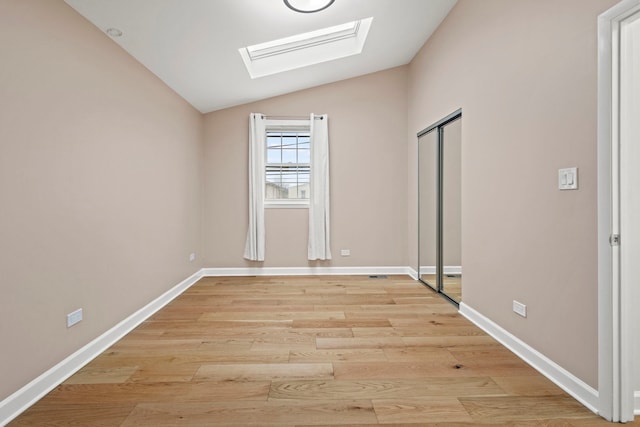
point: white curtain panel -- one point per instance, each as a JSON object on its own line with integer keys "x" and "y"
{"x": 254, "y": 248}
{"x": 319, "y": 224}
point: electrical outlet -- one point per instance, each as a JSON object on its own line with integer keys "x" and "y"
{"x": 192, "y": 257}
{"x": 74, "y": 317}
{"x": 519, "y": 308}
{"x": 345, "y": 252}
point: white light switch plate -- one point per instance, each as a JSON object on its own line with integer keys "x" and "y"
{"x": 568, "y": 179}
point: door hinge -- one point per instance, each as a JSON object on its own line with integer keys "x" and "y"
{"x": 614, "y": 240}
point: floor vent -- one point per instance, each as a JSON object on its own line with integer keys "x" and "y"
{"x": 378, "y": 276}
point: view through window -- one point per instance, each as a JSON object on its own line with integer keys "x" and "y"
{"x": 288, "y": 163}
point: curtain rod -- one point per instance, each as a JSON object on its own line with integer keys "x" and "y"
{"x": 291, "y": 117}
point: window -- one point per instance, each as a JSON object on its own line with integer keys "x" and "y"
{"x": 287, "y": 166}
{"x": 302, "y": 50}
{"x": 280, "y": 156}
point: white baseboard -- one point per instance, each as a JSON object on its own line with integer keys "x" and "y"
{"x": 581, "y": 391}
{"x": 304, "y": 271}
{"x": 448, "y": 269}
{"x": 636, "y": 406}
{"x": 22, "y": 399}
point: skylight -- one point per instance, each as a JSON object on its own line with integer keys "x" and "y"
{"x": 305, "y": 49}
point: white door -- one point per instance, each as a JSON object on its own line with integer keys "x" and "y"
{"x": 619, "y": 210}
{"x": 630, "y": 205}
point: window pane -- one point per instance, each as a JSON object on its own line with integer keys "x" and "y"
{"x": 304, "y": 156}
{"x": 273, "y": 175}
{"x": 289, "y": 142}
{"x": 273, "y": 141}
{"x": 304, "y": 141}
{"x": 274, "y": 155}
{"x": 288, "y": 156}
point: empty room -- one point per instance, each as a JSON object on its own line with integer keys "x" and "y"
{"x": 319, "y": 212}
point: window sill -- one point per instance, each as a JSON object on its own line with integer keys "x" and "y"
{"x": 286, "y": 205}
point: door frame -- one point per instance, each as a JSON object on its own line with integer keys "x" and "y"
{"x": 436, "y": 127}
{"x": 615, "y": 388}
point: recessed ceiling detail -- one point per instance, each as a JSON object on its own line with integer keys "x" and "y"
{"x": 303, "y": 50}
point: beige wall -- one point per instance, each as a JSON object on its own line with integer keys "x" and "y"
{"x": 524, "y": 74}
{"x": 99, "y": 186}
{"x": 368, "y": 152}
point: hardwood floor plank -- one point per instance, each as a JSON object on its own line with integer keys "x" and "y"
{"x": 415, "y": 299}
{"x": 344, "y": 355}
{"x": 258, "y": 372}
{"x": 511, "y": 408}
{"x": 252, "y": 413}
{"x": 204, "y": 391}
{"x": 430, "y": 321}
{"x": 90, "y": 415}
{"x": 165, "y": 372}
{"x": 309, "y": 315}
{"x": 530, "y": 385}
{"x": 193, "y": 358}
{"x": 458, "y": 331}
{"x": 279, "y": 348}
{"x": 398, "y": 370}
{"x": 375, "y": 332}
{"x": 420, "y": 354}
{"x": 342, "y": 323}
{"x": 447, "y": 341}
{"x": 384, "y": 389}
{"x": 346, "y": 343}
{"x": 98, "y": 375}
{"x": 427, "y": 410}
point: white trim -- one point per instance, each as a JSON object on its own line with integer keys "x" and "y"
{"x": 636, "y": 398}
{"x": 22, "y": 399}
{"x": 413, "y": 273}
{"x": 577, "y": 388}
{"x": 304, "y": 271}
{"x": 448, "y": 269}
{"x": 613, "y": 390}
{"x": 286, "y": 205}
{"x": 285, "y": 125}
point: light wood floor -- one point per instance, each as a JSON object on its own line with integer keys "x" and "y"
{"x": 452, "y": 285}
{"x": 307, "y": 351}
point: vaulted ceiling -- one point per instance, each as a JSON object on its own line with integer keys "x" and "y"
{"x": 192, "y": 45}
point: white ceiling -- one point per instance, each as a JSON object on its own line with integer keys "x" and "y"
{"x": 192, "y": 45}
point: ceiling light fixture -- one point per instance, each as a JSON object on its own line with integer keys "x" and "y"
{"x": 308, "y": 6}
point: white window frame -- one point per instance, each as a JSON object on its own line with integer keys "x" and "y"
{"x": 289, "y": 125}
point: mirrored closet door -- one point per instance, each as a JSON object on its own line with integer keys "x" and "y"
{"x": 439, "y": 206}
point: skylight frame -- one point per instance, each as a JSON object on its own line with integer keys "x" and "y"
{"x": 306, "y": 49}
{"x": 303, "y": 41}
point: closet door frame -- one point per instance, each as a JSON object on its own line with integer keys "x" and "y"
{"x": 439, "y": 128}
